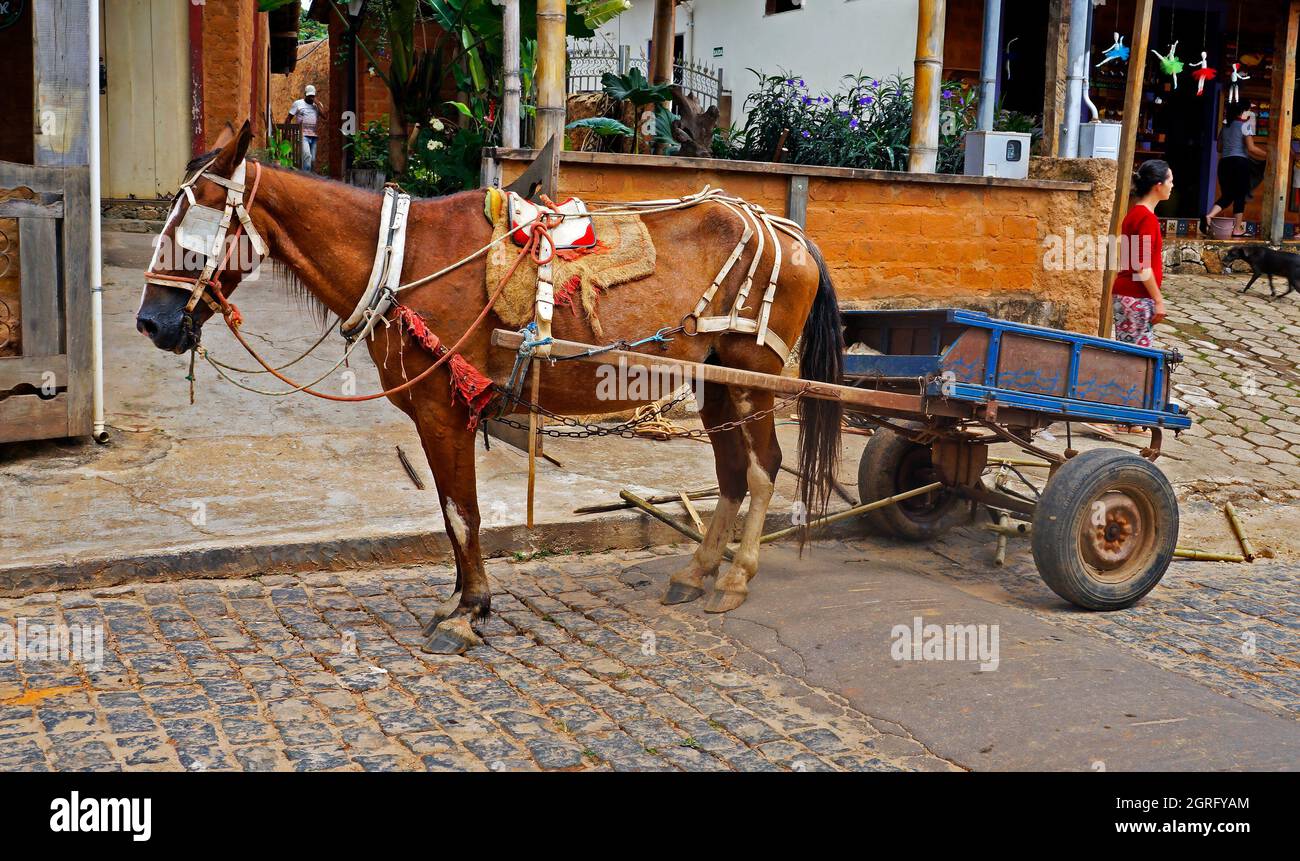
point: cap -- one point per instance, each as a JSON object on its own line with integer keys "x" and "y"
{"x": 310, "y": 91}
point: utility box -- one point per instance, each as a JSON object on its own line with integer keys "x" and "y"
{"x": 1099, "y": 140}
{"x": 1004, "y": 154}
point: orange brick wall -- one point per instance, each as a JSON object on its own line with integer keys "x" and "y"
{"x": 900, "y": 243}
{"x": 234, "y": 67}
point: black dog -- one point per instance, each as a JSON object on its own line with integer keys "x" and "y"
{"x": 1266, "y": 261}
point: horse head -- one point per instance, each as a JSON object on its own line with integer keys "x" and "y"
{"x": 201, "y": 254}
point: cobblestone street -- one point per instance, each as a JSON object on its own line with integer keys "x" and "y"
{"x": 325, "y": 672}
{"x": 1240, "y": 376}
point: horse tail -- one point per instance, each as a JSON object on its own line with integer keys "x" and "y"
{"x": 821, "y": 359}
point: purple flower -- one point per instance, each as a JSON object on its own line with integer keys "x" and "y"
{"x": 823, "y": 100}
{"x": 865, "y": 100}
{"x": 844, "y": 113}
{"x": 807, "y": 101}
{"x": 805, "y": 134}
{"x": 801, "y": 83}
{"x": 853, "y": 123}
{"x": 947, "y": 94}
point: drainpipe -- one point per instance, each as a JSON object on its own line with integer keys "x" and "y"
{"x": 989, "y": 65}
{"x": 923, "y": 146}
{"x": 510, "y": 65}
{"x": 1078, "y": 58}
{"x": 96, "y": 249}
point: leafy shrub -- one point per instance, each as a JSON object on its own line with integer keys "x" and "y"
{"x": 867, "y": 123}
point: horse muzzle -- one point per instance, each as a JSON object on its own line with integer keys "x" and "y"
{"x": 170, "y": 330}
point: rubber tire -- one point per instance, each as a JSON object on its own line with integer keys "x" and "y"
{"x": 878, "y": 477}
{"x": 1063, "y": 510}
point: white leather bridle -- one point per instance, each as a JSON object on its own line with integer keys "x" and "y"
{"x": 204, "y": 231}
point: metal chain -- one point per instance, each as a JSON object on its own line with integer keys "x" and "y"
{"x": 626, "y": 429}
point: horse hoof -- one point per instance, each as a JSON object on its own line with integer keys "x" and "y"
{"x": 722, "y": 601}
{"x": 452, "y": 637}
{"x": 680, "y": 593}
{"x": 442, "y": 614}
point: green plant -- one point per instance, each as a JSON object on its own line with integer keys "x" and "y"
{"x": 866, "y": 123}
{"x": 603, "y": 126}
{"x": 369, "y": 147}
{"x": 1015, "y": 121}
{"x": 634, "y": 88}
{"x": 279, "y": 149}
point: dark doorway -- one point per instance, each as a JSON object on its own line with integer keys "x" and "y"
{"x": 1023, "y": 74}
{"x": 17, "y": 96}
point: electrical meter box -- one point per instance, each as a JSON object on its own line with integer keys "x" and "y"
{"x": 1004, "y": 154}
{"x": 1099, "y": 140}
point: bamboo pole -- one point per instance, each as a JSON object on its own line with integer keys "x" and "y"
{"x": 665, "y": 519}
{"x": 550, "y": 85}
{"x": 663, "y": 36}
{"x": 1278, "y": 176}
{"x": 1206, "y": 556}
{"x": 923, "y": 146}
{"x": 1137, "y": 66}
{"x": 533, "y": 421}
{"x": 510, "y": 71}
{"x": 856, "y": 511}
{"x": 1247, "y": 549}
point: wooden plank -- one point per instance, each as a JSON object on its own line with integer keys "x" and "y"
{"x": 1128, "y": 144}
{"x": 42, "y": 180}
{"x": 38, "y": 251}
{"x": 28, "y": 417}
{"x": 32, "y": 370}
{"x": 1278, "y": 175}
{"x": 171, "y": 94}
{"x": 16, "y": 208}
{"x": 869, "y": 400}
{"x": 77, "y": 302}
{"x": 62, "y": 81}
{"x": 796, "y": 201}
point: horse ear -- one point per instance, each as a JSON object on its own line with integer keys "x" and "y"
{"x": 226, "y": 135}
{"x": 233, "y": 151}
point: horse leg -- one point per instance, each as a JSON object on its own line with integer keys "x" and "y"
{"x": 763, "y": 460}
{"x": 449, "y": 448}
{"x": 729, "y": 464}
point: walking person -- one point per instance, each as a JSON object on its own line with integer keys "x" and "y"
{"x": 1137, "y": 302}
{"x": 306, "y": 112}
{"x": 1236, "y": 149}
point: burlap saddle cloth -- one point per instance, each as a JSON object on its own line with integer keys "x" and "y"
{"x": 623, "y": 252}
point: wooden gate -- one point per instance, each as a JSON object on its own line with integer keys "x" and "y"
{"x": 46, "y": 390}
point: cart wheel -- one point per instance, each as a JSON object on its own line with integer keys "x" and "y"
{"x": 892, "y": 464}
{"x": 1105, "y": 529}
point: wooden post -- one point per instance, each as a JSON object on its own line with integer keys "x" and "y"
{"x": 923, "y": 151}
{"x": 1058, "y": 37}
{"x": 510, "y": 71}
{"x": 550, "y": 85}
{"x": 663, "y": 35}
{"x": 1278, "y": 175}
{"x": 1137, "y": 67}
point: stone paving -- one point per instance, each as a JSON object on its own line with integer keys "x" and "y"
{"x": 324, "y": 672}
{"x": 1241, "y": 352}
{"x": 1233, "y": 628}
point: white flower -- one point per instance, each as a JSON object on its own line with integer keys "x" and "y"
{"x": 435, "y": 145}
{"x": 430, "y": 146}
{"x": 436, "y": 124}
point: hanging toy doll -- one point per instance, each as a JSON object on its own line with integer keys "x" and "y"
{"x": 1117, "y": 51}
{"x": 1237, "y": 75}
{"x": 1202, "y": 74}
{"x": 1170, "y": 64}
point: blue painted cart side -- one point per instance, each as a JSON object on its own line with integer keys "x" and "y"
{"x": 968, "y": 356}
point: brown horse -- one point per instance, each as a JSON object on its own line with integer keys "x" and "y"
{"x": 325, "y": 234}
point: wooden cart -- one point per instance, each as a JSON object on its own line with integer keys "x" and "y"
{"x": 941, "y": 386}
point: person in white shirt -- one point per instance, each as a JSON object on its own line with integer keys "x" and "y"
{"x": 306, "y": 112}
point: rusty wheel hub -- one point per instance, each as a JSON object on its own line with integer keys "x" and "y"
{"x": 1115, "y": 533}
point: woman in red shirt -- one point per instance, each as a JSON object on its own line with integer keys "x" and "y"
{"x": 1138, "y": 304}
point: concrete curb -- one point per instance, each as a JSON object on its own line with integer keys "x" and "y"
{"x": 621, "y": 531}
